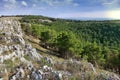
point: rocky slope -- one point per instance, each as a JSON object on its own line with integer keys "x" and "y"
{"x": 20, "y": 61}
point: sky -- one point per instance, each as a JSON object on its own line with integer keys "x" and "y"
{"x": 62, "y": 8}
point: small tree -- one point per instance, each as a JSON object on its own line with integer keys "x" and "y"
{"x": 94, "y": 54}
{"x": 35, "y": 31}
{"x": 66, "y": 42}
{"x": 48, "y": 36}
{"x": 114, "y": 59}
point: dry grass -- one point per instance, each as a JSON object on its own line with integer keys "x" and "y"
{"x": 44, "y": 52}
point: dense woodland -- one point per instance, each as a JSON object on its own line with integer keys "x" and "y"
{"x": 97, "y": 42}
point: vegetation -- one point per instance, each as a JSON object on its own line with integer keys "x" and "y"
{"x": 95, "y": 41}
{"x": 94, "y": 54}
{"x": 66, "y": 42}
{"x": 47, "y": 37}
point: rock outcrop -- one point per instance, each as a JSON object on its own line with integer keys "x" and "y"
{"x": 13, "y": 46}
{"x": 12, "y": 43}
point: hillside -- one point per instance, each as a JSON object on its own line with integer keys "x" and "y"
{"x": 87, "y": 38}
{"x": 25, "y": 55}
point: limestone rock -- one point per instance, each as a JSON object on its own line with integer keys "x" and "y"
{"x": 11, "y": 33}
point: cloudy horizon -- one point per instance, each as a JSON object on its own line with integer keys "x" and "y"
{"x": 62, "y": 8}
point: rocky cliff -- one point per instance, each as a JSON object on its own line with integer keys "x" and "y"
{"x": 20, "y": 61}
{"x": 12, "y": 44}
{"x": 11, "y": 41}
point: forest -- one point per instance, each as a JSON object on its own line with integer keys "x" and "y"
{"x": 97, "y": 42}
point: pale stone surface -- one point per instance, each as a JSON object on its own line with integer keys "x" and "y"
{"x": 11, "y": 33}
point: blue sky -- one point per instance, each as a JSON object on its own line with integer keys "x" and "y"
{"x": 61, "y": 8}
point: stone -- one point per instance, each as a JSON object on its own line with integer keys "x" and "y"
{"x": 49, "y": 60}
{"x": 93, "y": 69}
{"x": 11, "y": 32}
{"x": 36, "y": 76}
{"x": 46, "y": 68}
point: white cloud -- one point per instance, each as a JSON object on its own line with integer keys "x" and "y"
{"x": 9, "y": 4}
{"x": 42, "y": 8}
{"x": 24, "y": 3}
{"x": 110, "y": 2}
{"x": 68, "y": 1}
{"x": 75, "y": 4}
{"x": 54, "y": 2}
{"x": 10, "y": 1}
{"x": 115, "y": 14}
{"x": 34, "y": 5}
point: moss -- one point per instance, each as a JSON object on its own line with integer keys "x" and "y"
{"x": 27, "y": 57}
{"x": 7, "y": 52}
{"x": 44, "y": 62}
{"x": 73, "y": 78}
{"x": 8, "y": 63}
{"x": 16, "y": 61}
